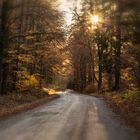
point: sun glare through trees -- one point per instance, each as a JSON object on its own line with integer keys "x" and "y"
{"x": 95, "y": 19}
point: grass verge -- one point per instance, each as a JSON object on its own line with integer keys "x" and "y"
{"x": 16, "y": 103}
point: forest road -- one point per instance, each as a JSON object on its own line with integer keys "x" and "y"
{"x": 70, "y": 117}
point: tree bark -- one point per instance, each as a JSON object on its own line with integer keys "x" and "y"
{"x": 118, "y": 49}
{"x": 100, "y": 52}
{"x": 4, "y": 46}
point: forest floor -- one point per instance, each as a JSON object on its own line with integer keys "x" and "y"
{"x": 15, "y": 103}
{"x": 126, "y": 104}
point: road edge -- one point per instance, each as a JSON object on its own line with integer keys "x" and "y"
{"x": 28, "y": 106}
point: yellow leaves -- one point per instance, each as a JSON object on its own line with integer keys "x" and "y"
{"x": 126, "y": 74}
{"x": 114, "y": 38}
{"x": 30, "y": 37}
{"x": 26, "y": 81}
{"x": 66, "y": 62}
{"x": 25, "y": 58}
{"x": 23, "y": 74}
{"x": 131, "y": 96}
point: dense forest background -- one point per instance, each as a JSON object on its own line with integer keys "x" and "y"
{"x": 37, "y": 50}
{"x": 104, "y": 49}
{"x": 106, "y": 55}
{"x": 31, "y": 45}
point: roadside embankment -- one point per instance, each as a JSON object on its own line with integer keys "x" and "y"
{"x": 15, "y": 103}
{"x": 126, "y": 104}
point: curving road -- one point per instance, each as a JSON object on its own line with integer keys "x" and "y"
{"x": 70, "y": 117}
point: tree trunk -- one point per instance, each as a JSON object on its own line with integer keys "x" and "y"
{"x": 100, "y": 68}
{"x": 118, "y": 49}
{"x": 4, "y": 46}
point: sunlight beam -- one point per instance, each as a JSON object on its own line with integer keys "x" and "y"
{"x": 95, "y": 19}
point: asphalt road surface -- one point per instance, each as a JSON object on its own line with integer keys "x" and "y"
{"x": 70, "y": 117}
